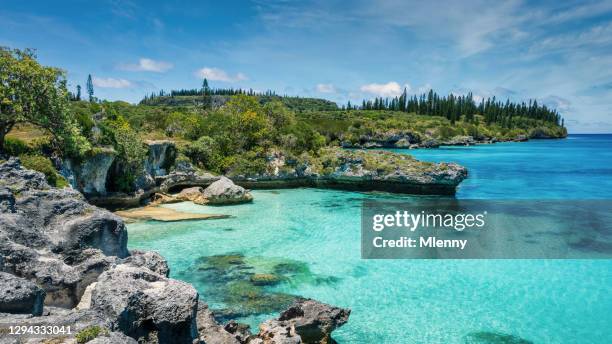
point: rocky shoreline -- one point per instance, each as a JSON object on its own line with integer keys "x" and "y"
{"x": 333, "y": 168}
{"x": 65, "y": 262}
{"x": 409, "y": 140}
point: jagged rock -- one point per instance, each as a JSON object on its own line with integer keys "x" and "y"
{"x": 210, "y": 332}
{"x": 77, "y": 320}
{"x": 53, "y": 237}
{"x": 85, "y": 302}
{"x": 160, "y": 157}
{"x": 150, "y": 260}
{"x": 7, "y": 200}
{"x": 521, "y": 138}
{"x": 177, "y": 179}
{"x": 429, "y": 143}
{"x": 194, "y": 194}
{"x": 224, "y": 191}
{"x": 388, "y": 139}
{"x": 89, "y": 175}
{"x": 113, "y": 338}
{"x": 403, "y": 143}
{"x": 364, "y": 171}
{"x": 240, "y": 331}
{"x": 162, "y": 198}
{"x": 65, "y": 283}
{"x": 147, "y": 306}
{"x": 18, "y": 295}
{"x": 306, "y": 321}
{"x": 77, "y": 256}
{"x": 460, "y": 141}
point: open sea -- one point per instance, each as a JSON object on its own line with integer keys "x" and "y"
{"x": 309, "y": 239}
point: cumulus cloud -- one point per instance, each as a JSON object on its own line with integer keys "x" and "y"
{"x": 111, "y": 83}
{"x": 148, "y": 65}
{"x": 390, "y": 89}
{"x": 326, "y": 88}
{"x": 217, "y": 74}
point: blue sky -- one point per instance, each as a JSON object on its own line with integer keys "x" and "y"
{"x": 557, "y": 52}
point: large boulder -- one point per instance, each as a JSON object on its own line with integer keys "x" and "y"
{"x": 18, "y": 295}
{"x": 194, "y": 194}
{"x": 147, "y": 306}
{"x": 224, "y": 191}
{"x": 306, "y": 321}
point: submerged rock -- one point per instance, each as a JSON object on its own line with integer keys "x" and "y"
{"x": 21, "y": 296}
{"x": 493, "y": 338}
{"x": 224, "y": 191}
{"x": 265, "y": 279}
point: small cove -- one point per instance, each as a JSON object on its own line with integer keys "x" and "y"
{"x": 310, "y": 238}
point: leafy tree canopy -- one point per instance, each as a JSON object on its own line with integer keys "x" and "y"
{"x": 36, "y": 94}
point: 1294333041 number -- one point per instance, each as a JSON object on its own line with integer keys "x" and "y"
{"x": 34, "y": 330}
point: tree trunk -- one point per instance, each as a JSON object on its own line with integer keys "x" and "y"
{"x": 5, "y": 128}
{"x": 2, "y": 135}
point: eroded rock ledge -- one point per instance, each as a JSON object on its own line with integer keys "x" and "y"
{"x": 356, "y": 170}
{"x": 63, "y": 261}
{"x": 330, "y": 168}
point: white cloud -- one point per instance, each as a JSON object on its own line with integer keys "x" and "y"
{"x": 111, "y": 83}
{"x": 148, "y": 65}
{"x": 216, "y": 74}
{"x": 390, "y": 89}
{"x": 326, "y": 88}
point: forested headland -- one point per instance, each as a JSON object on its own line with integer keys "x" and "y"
{"x": 223, "y": 130}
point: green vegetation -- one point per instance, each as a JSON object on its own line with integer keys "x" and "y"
{"x": 36, "y": 94}
{"x": 43, "y": 164}
{"x": 453, "y": 107}
{"x": 233, "y": 131}
{"x": 350, "y": 125}
{"x": 90, "y": 333}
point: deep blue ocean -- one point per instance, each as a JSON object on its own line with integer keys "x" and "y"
{"x": 315, "y": 235}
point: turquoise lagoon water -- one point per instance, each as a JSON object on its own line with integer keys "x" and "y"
{"x": 415, "y": 301}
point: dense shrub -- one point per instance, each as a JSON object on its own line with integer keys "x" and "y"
{"x": 43, "y": 164}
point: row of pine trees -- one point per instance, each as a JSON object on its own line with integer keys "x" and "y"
{"x": 206, "y": 90}
{"x": 453, "y": 107}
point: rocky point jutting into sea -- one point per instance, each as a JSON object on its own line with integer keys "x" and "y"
{"x": 66, "y": 262}
{"x": 332, "y": 168}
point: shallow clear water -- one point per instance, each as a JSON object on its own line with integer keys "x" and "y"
{"x": 415, "y": 301}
